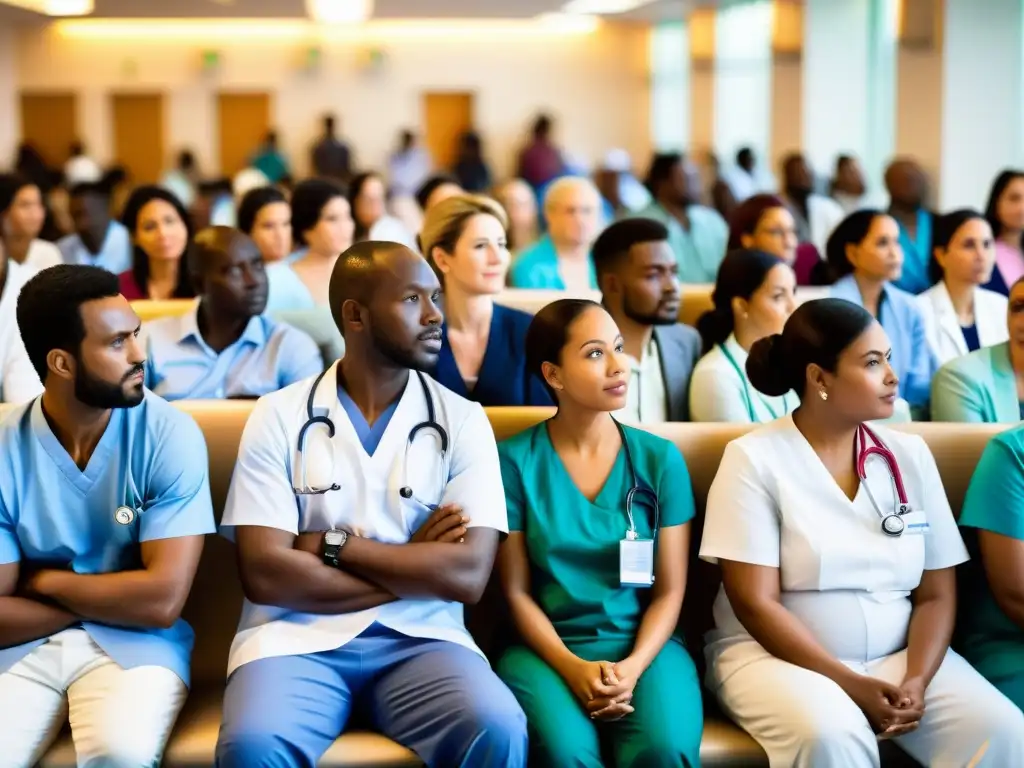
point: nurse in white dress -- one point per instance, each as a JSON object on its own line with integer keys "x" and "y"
{"x": 831, "y": 633}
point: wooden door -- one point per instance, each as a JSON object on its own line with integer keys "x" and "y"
{"x": 244, "y": 119}
{"x": 446, "y": 116}
{"x": 49, "y": 122}
{"x": 139, "y": 135}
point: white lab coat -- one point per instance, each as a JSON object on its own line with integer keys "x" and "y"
{"x": 942, "y": 327}
{"x": 368, "y": 503}
{"x": 773, "y": 503}
{"x": 19, "y": 381}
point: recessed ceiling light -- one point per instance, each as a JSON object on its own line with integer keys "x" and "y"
{"x": 56, "y": 7}
{"x": 339, "y": 11}
{"x": 602, "y": 6}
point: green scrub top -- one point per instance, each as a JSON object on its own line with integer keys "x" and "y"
{"x": 986, "y": 636}
{"x": 573, "y": 543}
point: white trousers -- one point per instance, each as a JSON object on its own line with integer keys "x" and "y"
{"x": 804, "y": 720}
{"x": 120, "y": 718}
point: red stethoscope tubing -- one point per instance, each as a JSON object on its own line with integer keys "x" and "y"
{"x": 866, "y": 451}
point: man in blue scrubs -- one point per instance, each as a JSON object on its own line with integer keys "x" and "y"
{"x": 906, "y": 183}
{"x": 104, "y": 501}
{"x": 98, "y": 240}
{"x": 358, "y": 556}
{"x": 225, "y": 347}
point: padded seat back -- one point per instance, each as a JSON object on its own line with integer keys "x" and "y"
{"x": 214, "y": 605}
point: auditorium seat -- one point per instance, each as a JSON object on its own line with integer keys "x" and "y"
{"x": 215, "y": 602}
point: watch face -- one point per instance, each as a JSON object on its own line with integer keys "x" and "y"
{"x": 334, "y": 538}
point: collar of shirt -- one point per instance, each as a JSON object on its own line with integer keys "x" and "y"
{"x": 256, "y": 332}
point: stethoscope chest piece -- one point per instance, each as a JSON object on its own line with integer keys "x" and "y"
{"x": 124, "y": 515}
{"x": 893, "y": 525}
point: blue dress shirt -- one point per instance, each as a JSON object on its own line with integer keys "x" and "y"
{"x": 115, "y": 254}
{"x": 267, "y": 356}
{"x": 912, "y": 356}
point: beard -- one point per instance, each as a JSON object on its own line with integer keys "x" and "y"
{"x": 97, "y": 393}
{"x": 401, "y": 357}
{"x": 657, "y": 317}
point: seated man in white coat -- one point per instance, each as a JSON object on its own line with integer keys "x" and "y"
{"x": 367, "y": 506}
{"x": 104, "y": 502}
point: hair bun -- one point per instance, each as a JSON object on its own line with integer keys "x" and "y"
{"x": 766, "y": 366}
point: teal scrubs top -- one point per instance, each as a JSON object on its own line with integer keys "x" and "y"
{"x": 979, "y": 388}
{"x": 986, "y": 636}
{"x": 286, "y": 291}
{"x": 537, "y": 268}
{"x": 699, "y": 251}
{"x": 573, "y": 543}
{"x": 150, "y": 459}
{"x": 916, "y": 255}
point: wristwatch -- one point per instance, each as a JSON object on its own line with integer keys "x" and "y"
{"x": 334, "y": 540}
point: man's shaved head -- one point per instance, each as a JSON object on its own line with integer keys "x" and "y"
{"x": 383, "y": 299}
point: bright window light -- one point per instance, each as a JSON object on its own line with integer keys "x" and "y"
{"x": 602, "y": 6}
{"x": 339, "y": 11}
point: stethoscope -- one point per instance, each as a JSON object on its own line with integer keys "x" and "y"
{"x": 636, "y": 490}
{"x": 746, "y": 390}
{"x": 405, "y": 490}
{"x": 124, "y": 514}
{"x": 892, "y": 524}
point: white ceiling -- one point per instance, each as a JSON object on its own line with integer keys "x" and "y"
{"x": 657, "y": 10}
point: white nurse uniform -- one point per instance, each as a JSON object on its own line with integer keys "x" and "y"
{"x": 773, "y": 503}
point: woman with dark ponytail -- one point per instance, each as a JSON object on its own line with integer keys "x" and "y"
{"x": 832, "y": 628}
{"x": 753, "y": 297}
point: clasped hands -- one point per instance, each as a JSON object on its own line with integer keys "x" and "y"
{"x": 892, "y": 710}
{"x": 604, "y": 689}
{"x": 447, "y": 525}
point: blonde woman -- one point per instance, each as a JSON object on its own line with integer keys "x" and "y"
{"x": 483, "y": 351}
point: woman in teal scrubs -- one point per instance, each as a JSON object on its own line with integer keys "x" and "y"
{"x": 602, "y": 671}
{"x": 990, "y": 627}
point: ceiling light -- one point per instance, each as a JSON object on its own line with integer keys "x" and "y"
{"x": 56, "y": 7}
{"x": 339, "y": 11}
{"x": 602, "y": 6}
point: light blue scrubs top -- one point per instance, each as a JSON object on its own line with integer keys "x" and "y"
{"x": 537, "y": 267}
{"x": 266, "y": 357}
{"x": 151, "y": 458}
{"x": 369, "y": 434}
{"x": 912, "y": 356}
{"x": 115, "y": 254}
{"x": 287, "y": 292}
{"x": 916, "y": 255}
{"x": 700, "y": 251}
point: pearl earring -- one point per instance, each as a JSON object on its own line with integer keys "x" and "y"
{"x": 823, "y": 394}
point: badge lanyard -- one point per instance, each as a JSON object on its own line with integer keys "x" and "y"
{"x": 746, "y": 390}
{"x": 636, "y": 554}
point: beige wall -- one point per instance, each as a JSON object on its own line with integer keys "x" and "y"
{"x": 10, "y": 119}
{"x": 595, "y": 84}
{"x": 787, "y": 103}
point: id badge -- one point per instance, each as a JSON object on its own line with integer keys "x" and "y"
{"x": 636, "y": 562}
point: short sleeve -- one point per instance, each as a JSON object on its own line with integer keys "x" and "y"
{"x": 261, "y": 490}
{"x": 515, "y": 494}
{"x": 177, "y": 497}
{"x": 10, "y": 551}
{"x": 299, "y": 358}
{"x": 944, "y": 546}
{"x": 741, "y": 521}
{"x": 995, "y": 496}
{"x": 954, "y": 398}
{"x": 474, "y": 480}
{"x": 675, "y": 492}
{"x": 714, "y": 397}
